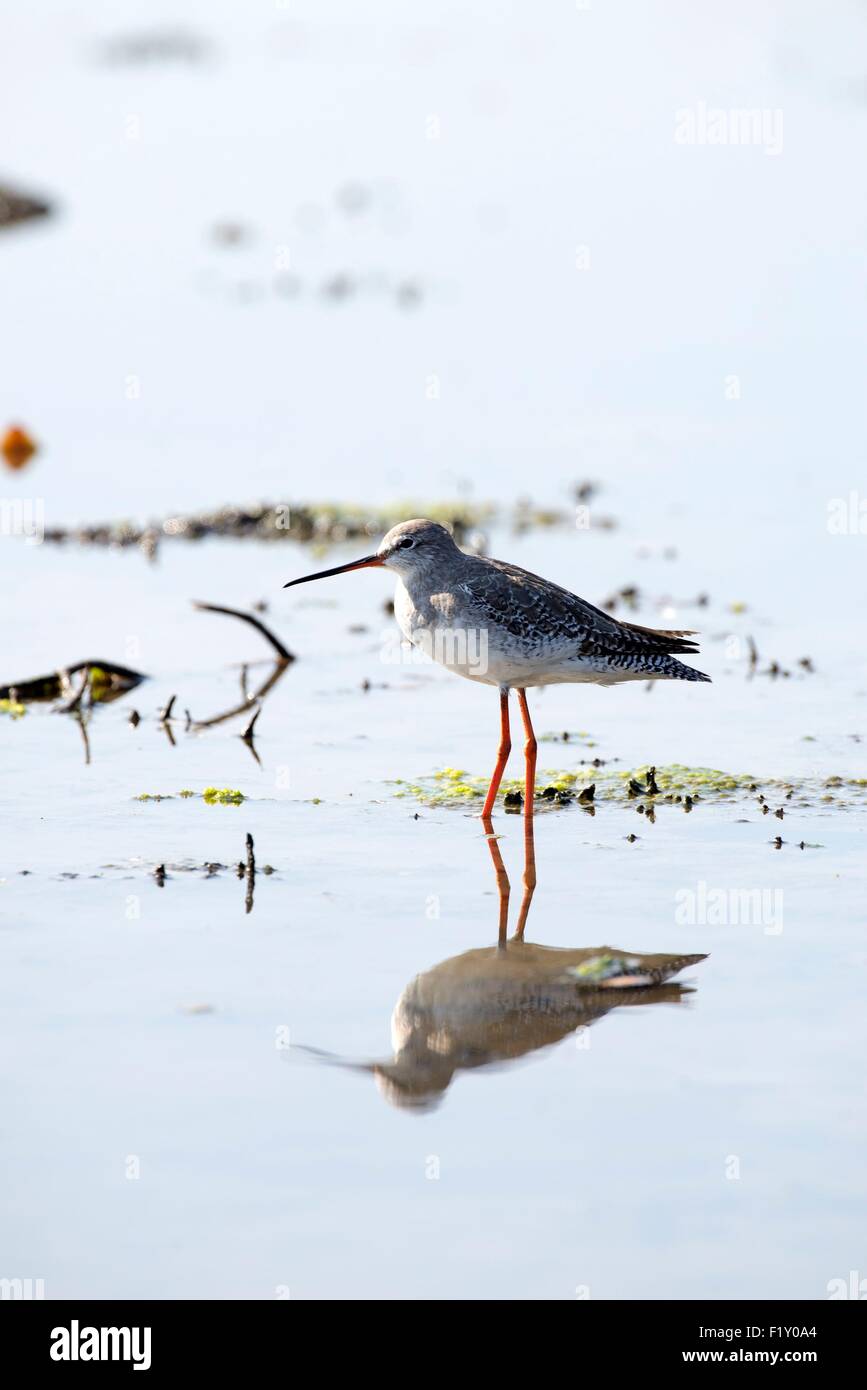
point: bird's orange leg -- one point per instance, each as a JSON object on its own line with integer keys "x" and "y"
{"x": 503, "y": 887}
{"x": 529, "y": 876}
{"x": 529, "y": 754}
{"x": 502, "y": 755}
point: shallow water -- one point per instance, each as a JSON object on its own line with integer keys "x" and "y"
{"x": 600, "y": 1161}
{"x": 708, "y": 1143}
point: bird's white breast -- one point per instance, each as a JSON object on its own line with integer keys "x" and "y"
{"x": 492, "y": 654}
{"x": 430, "y": 623}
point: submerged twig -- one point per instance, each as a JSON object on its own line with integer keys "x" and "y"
{"x": 73, "y": 707}
{"x": 250, "y": 874}
{"x": 82, "y": 724}
{"x": 247, "y": 735}
{"x": 254, "y": 698}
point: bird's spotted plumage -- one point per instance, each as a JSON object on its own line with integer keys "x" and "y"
{"x": 548, "y": 618}
{"x": 535, "y": 632}
{"x": 494, "y": 622}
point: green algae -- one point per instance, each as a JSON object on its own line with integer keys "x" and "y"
{"x": 676, "y": 784}
{"x": 101, "y": 684}
{"x": 692, "y": 781}
{"x": 212, "y": 796}
{"x": 452, "y": 786}
{"x": 222, "y": 796}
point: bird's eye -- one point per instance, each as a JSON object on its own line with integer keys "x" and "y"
{"x": 406, "y": 543}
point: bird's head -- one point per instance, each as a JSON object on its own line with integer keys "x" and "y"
{"x": 410, "y": 548}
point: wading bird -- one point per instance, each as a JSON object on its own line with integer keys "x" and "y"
{"x": 496, "y": 623}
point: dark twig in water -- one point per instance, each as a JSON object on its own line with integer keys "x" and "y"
{"x": 247, "y": 735}
{"x": 250, "y": 874}
{"x": 248, "y": 743}
{"x": 284, "y": 659}
{"x": 73, "y": 707}
{"x": 276, "y": 674}
{"x": 111, "y": 681}
{"x": 82, "y": 724}
{"x": 255, "y": 622}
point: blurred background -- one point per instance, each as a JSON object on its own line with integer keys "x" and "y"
{"x": 344, "y": 249}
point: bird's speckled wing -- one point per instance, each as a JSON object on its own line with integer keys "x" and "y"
{"x": 531, "y": 607}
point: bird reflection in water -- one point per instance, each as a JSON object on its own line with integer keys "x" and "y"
{"x": 491, "y": 1006}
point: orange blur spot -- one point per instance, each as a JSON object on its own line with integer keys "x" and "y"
{"x": 17, "y": 446}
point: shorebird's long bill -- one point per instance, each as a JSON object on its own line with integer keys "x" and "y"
{"x": 367, "y": 563}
